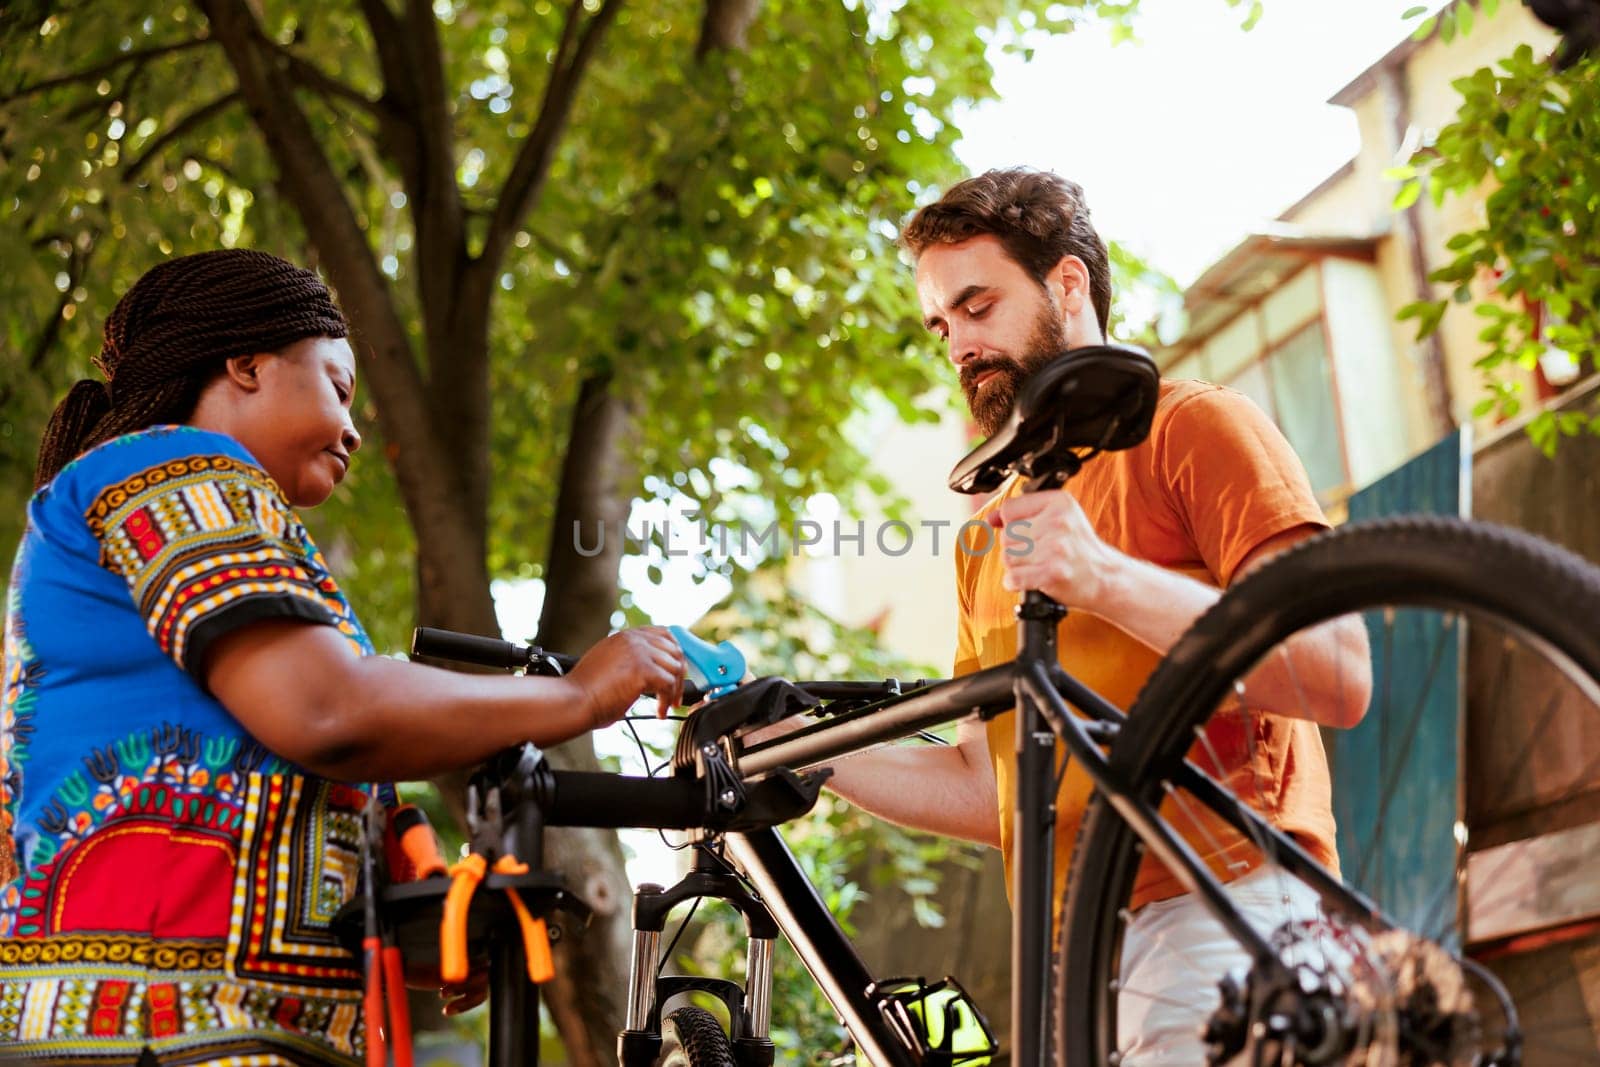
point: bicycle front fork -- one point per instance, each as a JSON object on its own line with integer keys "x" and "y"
{"x": 749, "y": 1007}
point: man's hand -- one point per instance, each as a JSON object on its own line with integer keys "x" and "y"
{"x": 1066, "y": 560}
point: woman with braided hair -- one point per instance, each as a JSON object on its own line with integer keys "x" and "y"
{"x": 191, "y": 706}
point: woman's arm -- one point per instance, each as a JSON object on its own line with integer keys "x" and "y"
{"x": 302, "y": 691}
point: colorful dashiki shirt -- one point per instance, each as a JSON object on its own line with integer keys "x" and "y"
{"x": 177, "y": 879}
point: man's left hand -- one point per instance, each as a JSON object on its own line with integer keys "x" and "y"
{"x": 1067, "y": 561}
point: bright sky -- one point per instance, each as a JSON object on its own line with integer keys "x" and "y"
{"x": 1190, "y": 138}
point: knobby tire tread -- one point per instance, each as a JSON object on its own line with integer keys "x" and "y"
{"x": 704, "y": 1042}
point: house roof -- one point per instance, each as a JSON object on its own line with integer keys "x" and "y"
{"x": 1323, "y": 186}
{"x": 1253, "y": 268}
{"x": 1362, "y": 83}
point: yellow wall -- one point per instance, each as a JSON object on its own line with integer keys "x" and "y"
{"x": 913, "y": 594}
{"x": 1367, "y": 195}
{"x": 1345, "y": 206}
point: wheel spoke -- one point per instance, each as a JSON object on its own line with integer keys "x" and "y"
{"x": 1545, "y": 717}
{"x": 1446, "y": 579}
{"x": 1387, "y": 664}
{"x": 1413, "y": 723}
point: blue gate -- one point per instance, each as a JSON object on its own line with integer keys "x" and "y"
{"x": 1396, "y": 776}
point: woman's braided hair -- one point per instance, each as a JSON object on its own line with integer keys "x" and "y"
{"x": 170, "y": 334}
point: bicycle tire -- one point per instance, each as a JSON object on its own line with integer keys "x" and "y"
{"x": 1509, "y": 576}
{"x": 692, "y": 1037}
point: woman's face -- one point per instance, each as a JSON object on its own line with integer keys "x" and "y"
{"x": 297, "y": 420}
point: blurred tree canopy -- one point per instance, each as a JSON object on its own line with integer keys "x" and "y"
{"x": 1532, "y": 132}
{"x": 582, "y": 245}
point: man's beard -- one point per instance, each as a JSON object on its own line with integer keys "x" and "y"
{"x": 990, "y": 403}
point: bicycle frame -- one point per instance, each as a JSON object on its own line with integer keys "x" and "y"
{"x": 1044, "y": 696}
{"x": 1050, "y": 705}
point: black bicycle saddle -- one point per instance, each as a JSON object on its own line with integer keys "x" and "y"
{"x": 1099, "y": 398}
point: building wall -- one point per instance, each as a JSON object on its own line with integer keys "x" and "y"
{"x": 1378, "y": 410}
{"x": 1349, "y": 204}
{"x": 1364, "y": 199}
{"x": 909, "y": 598}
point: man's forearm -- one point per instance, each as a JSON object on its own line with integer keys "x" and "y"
{"x": 942, "y": 790}
{"x": 1322, "y": 674}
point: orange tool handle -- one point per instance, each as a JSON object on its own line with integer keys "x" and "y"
{"x": 394, "y": 987}
{"x": 417, "y": 843}
{"x": 535, "y": 935}
{"x": 372, "y": 1003}
{"x": 535, "y": 941}
{"x": 453, "y": 927}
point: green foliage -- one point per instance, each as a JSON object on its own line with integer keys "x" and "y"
{"x": 1533, "y": 136}
{"x": 719, "y": 232}
{"x": 845, "y": 853}
{"x": 1455, "y": 20}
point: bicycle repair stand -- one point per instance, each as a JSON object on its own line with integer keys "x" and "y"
{"x": 749, "y": 1007}
{"x": 492, "y": 926}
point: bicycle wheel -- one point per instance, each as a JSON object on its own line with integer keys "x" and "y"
{"x": 692, "y": 1037}
{"x": 1478, "y": 640}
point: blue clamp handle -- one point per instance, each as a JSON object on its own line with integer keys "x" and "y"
{"x": 716, "y": 669}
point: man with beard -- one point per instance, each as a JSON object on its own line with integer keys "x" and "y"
{"x": 1010, "y": 272}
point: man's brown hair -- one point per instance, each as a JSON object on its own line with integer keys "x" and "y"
{"x": 1039, "y": 218}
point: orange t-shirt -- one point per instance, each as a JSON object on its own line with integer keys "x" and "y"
{"x": 1214, "y": 480}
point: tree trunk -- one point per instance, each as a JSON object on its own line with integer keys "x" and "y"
{"x": 580, "y": 594}
{"x": 437, "y": 424}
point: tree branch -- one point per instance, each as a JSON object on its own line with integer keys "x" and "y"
{"x": 434, "y": 102}
{"x": 386, "y": 37}
{"x": 569, "y": 33}
{"x": 325, "y": 83}
{"x": 309, "y": 182}
{"x": 436, "y": 206}
{"x": 723, "y": 25}
{"x": 198, "y": 117}
{"x": 99, "y": 71}
{"x": 533, "y": 160}
{"x": 77, "y": 266}
{"x": 399, "y": 138}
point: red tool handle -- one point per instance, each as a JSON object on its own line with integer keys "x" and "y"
{"x": 372, "y": 1003}
{"x": 394, "y": 987}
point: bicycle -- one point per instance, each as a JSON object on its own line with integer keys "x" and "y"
{"x": 1358, "y": 982}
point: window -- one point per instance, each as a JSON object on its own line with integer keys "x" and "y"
{"x": 1302, "y": 392}
{"x": 1275, "y": 352}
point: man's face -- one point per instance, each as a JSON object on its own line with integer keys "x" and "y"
{"x": 999, "y": 325}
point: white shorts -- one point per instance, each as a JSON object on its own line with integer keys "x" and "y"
{"x": 1175, "y": 953}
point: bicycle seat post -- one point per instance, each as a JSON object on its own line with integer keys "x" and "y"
{"x": 1038, "y": 617}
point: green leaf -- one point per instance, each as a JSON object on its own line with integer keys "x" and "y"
{"x": 1413, "y": 12}
{"x": 1407, "y": 195}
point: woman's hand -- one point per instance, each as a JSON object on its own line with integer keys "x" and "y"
{"x": 613, "y": 674}
{"x": 464, "y": 996}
